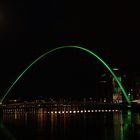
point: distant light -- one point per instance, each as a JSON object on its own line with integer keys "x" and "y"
{"x": 81, "y": 111}
{"x": 103, "y": 75}
{"x": 63, "y": 112}
{"x": 74, "y": 111}
{"x": 55, "y": 112}
{"x": 115, "y": 69}
{"x": 78, "y": 111}
{"x": 103, "y": 81}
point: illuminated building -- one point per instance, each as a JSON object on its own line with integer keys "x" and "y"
{"x": 117, "y": 94}
{"x": 108, "y": 88}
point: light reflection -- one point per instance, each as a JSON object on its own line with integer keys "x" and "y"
{"x": 121, "y": 120}
{"x": 40, "y": 118}
{"x": 15, "y": 115}
{"x": 52, "y": 124}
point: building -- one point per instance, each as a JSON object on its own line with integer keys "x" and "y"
{"x": 108, "y": 89}
{"x": 116, "y": 90}
{"x": 104, "y": 88}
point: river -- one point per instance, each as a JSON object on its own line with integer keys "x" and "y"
{"x": 70, "y": 126}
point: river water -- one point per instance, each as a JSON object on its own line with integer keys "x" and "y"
{"x": 71, "y": 126}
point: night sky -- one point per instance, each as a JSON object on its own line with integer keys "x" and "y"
{"x": 30, "y": 28}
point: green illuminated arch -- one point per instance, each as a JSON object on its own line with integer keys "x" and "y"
{"x": 63, "y": 47}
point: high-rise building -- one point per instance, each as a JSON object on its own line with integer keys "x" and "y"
{"x": 104, "y": 88}
{"x": 116, "y": 90}
{"x": 108, "y": 89}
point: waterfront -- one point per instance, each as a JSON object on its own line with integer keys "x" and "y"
{"x": 117, "y": 125}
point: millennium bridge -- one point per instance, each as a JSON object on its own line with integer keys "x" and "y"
{"x": 72, "y": 107}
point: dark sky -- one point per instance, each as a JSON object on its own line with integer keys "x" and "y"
{"x": 30, "y": 28}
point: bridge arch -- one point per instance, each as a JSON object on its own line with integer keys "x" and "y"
{"x": 63, "y": 47}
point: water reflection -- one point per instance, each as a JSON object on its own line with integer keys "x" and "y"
{"x": 122, "y": 121}
{"x": 53, "y": 126}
